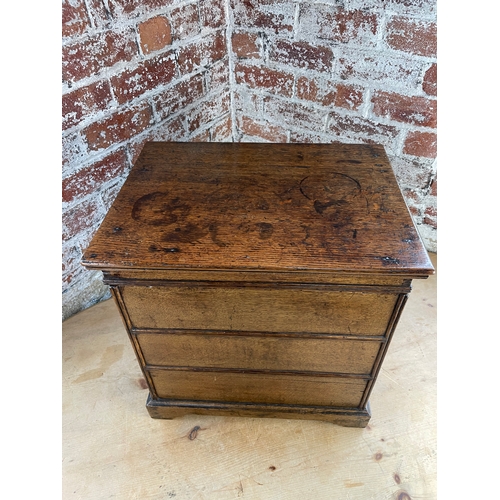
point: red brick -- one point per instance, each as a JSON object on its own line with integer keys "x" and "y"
{"x": 145, "y": 77}
{"x": 348, "y": 97}
{"x": 414, "y": 211}
{"x": 264, "y": 130}
{"x": 278, "y": 82}
{"x": 409, "y": 194}
{"x": 202, "y": 53}
{"x": 218, "y": 75}
{"x": 208, "y": 110}
{"x": 430, "y": 217}
{"x": 82, "y": 218}
{"x": 430, "y": 222}
{"x": 276, "y": 15}
{"x": 414, "y": 110}
{"x": 212, "y": 13}
{"x": 89, "y": 57}
{"x": 379, "y": 68}
{"x": 119, "y": 127}
{"x": 75, "y": 20}
{"x": 421, "y": 144}
{"x": 179, "y": 96}
{"x": 342, "y": 26}
{"x": 302, "y": 55}
{"x": 294, "y": 114}
{"x": 327, "y": 93}
{"x": 354, "y": 26}
{"x": 316, "y": 90}
{"x": 121, "y": 8}
{"x": 245, "y": 45}
{"x": 87, "y": 180}
{"x": 362, "y": 129}
{"x": 412, "y": 35}
{"x": 222, "y": 131}
{"x": 83, "y": 102}
{"x": 197, "y": 136}
{"x": 185, "y": 21}
{"x": 431, "y": 211}
{"x": 429, "y": 84}
{"x": 154, "y": 34}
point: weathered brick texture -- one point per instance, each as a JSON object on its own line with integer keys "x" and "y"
{"x": 430, "y": 80}
{"x": 302, "y": 55}
{"x": 245, "y": 45}
{"x": 356, "y": 27}
{"x": 271, "y": 15}
{"x": 147, "y": 76}
{"x": 92, "y": 55}
{"x": 278, "y": 81}
{"x": 412, "y": 35}
{"x": 201, "y": 53}
{"x": 132, "y": 71}
{"x": 75, "y": 20}
{"x": 360, "y": 71}
{"x": 421, "y": 144}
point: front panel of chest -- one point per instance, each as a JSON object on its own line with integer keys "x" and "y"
{"x": 308, "y": 346}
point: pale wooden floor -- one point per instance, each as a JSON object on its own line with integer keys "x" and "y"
{"x": 113, "y": 449}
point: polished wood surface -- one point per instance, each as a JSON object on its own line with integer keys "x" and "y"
{"x": 260, "y": 280}
{"x": 334, "y": 207}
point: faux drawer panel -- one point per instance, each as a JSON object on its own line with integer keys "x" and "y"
{"x": 259, "y": 353}
{"x": 258, "y": 309}
{"x": 258, "y": 388}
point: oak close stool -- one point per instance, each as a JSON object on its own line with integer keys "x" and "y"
{"x": 260, "y": 280}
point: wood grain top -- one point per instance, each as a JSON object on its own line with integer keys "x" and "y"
{"x": 241, "y": 206}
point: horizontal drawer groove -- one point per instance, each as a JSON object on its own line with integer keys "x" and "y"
{"x": 261, "y": 371}
{"x": 233, "y": 333}
{"x": 396, "y": 289}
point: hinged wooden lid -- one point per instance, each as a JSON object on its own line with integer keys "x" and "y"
{"x": 241, "y": 206}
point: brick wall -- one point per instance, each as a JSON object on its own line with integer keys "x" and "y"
{"x": 133, "y": 70}
{"x": 241, "y": 70}
{"x": 343, "y": 70}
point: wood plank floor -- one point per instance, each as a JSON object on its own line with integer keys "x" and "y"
{"x": 113, "y": 449}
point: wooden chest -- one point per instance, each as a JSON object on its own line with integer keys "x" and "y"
{"x": 260, "y": 280}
